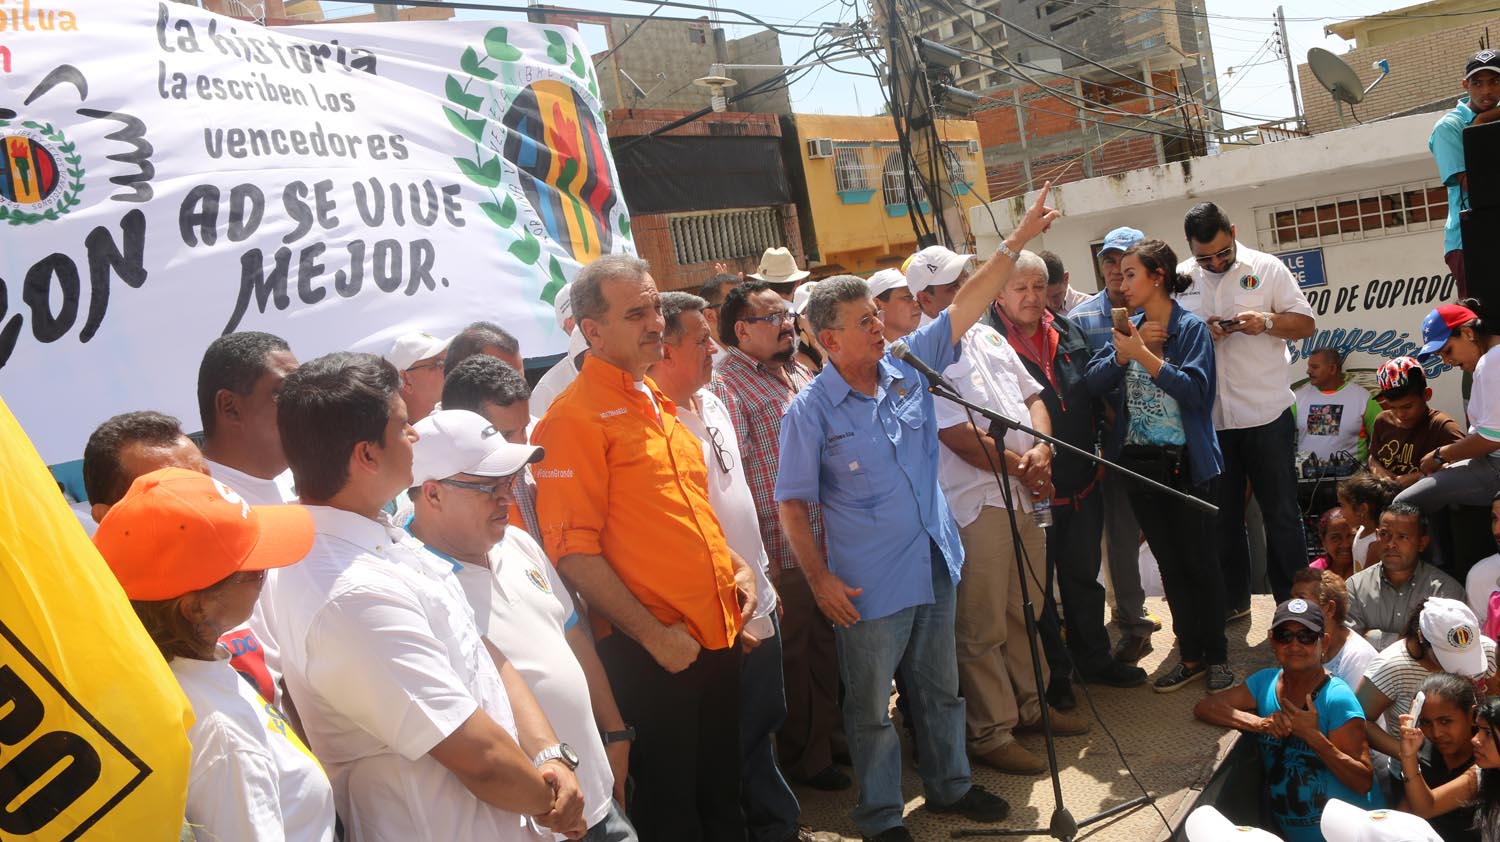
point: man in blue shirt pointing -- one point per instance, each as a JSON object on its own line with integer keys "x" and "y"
{"x": 861, "y": 440}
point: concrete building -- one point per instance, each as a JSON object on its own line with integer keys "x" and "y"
{"x": 1032, "y": 131}
{"x": 1356, "y": 214}
{"x": 1426, "y": 45}
{"x": 851, "y": 191}
{"x": 294, "y": 12}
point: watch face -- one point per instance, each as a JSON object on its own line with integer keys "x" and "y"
{"x": 569, "y": 756}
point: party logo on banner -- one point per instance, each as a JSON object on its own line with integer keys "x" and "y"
{"x": 41, "y": 173}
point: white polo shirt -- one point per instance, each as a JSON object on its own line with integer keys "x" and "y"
{"x": 1254, "y": 372}
{"x": 384, "y": 661}
{"x": 991, "y": 374}
{"x": 729, "y": 494}
{"x": 524, "y": 609}
{"x": 252, "y": 648}
{"x": 250, "y": 777}
{"x": 560, "y": 376}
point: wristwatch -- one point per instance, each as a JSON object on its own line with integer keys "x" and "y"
{"x": 561, "y": 751}
{"x": 1270, "y": 321}
{"x": 1007, "y": 251}
{"x": 625, "y": 735}
{"x": 1437, "y": 456}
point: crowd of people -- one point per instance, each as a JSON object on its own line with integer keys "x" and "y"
{"x": 410, "y": 596}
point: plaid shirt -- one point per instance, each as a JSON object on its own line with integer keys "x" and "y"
{"x": 757, "y": 399}
{"x": 526, "y": 504}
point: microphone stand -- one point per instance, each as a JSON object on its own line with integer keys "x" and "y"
{"x": 1062, "y": 825}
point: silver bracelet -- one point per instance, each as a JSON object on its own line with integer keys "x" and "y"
{"x": 1007, "y": 251}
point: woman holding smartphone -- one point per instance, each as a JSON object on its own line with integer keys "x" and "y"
{"x": 1161, "y": 373}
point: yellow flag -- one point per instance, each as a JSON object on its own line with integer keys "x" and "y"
{"x": 93, "y": 728}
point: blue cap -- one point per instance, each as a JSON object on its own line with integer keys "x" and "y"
{"x": 1121, "y": 239}
{"x": 1438, "y": 327}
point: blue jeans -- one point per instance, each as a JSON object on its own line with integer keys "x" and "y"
{"x": 1265, "y": 456}
{"x": 918, "y": 641}
{"x": 612, "y": 828}
{"x": 771, "y": 810}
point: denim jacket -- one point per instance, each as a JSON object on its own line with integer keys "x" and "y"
{"x": 1188, "y": 375}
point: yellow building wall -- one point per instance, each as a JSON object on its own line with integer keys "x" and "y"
{"x": 861, "y": 237}
{"x": 1415, "y": 21}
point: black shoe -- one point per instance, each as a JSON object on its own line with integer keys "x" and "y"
{"x": 828, "y": 780}
{"x": 899, "y": 833}
{"x": 1115, "y": 674}
{"x": 1131, "y": 649}
{"x": 1180, "y": 676}
{"x": 1220, "y": 678}
{"x": 1060, "y": 694}
{"x": 842, "y": 758}
{"x": 1237, "y": 614}
{"x": 976, "y": 805}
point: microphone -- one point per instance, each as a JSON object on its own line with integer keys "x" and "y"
{"x": 900, "y": 351}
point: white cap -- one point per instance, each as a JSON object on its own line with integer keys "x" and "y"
{"x": 1450, "y": 628}
{"x": 886, "y": 280}
{"x": 457, "y": 441}
{"x": 799, "y": 298}
{"x": 563, "y": 304}
{"x": 1205, "y": 824}
{"x": 412, "y": 347}
{"x": 934, "y": 266}
{"x": 1344, "y": 822}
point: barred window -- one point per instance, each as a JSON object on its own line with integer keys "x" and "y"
{"x": 851, "y": 166}
{"x": 707, "y": 236}
{"x": 895, "y": 181}
{"x": 1351, "y": 217}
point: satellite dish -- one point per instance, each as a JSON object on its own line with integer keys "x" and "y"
{"x": 1338, "y": 77}
{"x": 1341, "y": 80}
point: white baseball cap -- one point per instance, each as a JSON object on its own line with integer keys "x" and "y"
{"x": 1450, "y": 628}
{"x": 563, "y": 304}
{"x": 457, "y": 441}
{"x": 411, "y": 347}
{"x": 1344, "y": 822}
{"x": 886, "y": 280}
{"x": 1206, "y": 824}
{"x": 799, "y": 298}
{"x": 934, "y": 266}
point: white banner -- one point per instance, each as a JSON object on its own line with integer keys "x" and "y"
{"x": 168, "y": 175}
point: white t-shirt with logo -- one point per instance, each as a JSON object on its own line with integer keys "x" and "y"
{"x": 524, "y": 609}
{"x": 382, "y": 655}
{"x": 252, "y": 649}
{"x": 1333, "y": 422}
{"x": 1254, "y": 372}
{"x": 250, "y": 778}
{"x": 989, "y": 373}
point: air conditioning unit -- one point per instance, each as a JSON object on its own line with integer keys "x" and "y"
{"x": 973, "y": 147}
{"x": 820, "y": 147}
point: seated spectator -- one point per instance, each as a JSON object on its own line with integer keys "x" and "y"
{"x": 1483, "y": 581}
{"x": 1312, "y": 734}
{"x": 1408, "y": 428}
{"x": 1382, "y": 597}
{"x": 1442, "y": 636}
{"x": 1466, "y": 472}
{"x": 1334, "y": 414}
{"x": 1437, "y": 749}
{"x": 1482, "y": 105}
{"x": 1346, "y": 655}
{"x": 419, "y": 356}
{"x": 498, "y": 392}
{"x": 463, "y": 479}
{"x": 1337, "y": 538}
{"x": 192, "y": 556}
{"x": 129, "y": 445}
{"x": 1362, "y": 497}
{"x": 1061, "y": 297}
{"x": 420, "y": 734}
{"x": 485, "y": 338}
{"x": 1478, "y": 786}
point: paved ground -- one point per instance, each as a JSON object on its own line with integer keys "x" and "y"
{"x": 1170, "y": 752}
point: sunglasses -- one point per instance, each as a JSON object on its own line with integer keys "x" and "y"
{"x": 1304, "y": 636}
{"x": 1221, "y": 254}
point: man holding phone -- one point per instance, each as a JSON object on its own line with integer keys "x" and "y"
{"x": 1253, "y": 306}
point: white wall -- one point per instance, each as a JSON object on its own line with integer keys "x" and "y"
{"x": 1377, "y": 290}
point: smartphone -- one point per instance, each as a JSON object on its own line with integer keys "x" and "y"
{"x": 1122, "y": 319}
{"x": 1416, "y": 708}
{"x": 1229, "y": 324}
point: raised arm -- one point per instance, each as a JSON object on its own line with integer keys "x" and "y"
{"x": 985, "y": 283}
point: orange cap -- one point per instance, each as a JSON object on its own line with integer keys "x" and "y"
{"x": 177, "y": 531}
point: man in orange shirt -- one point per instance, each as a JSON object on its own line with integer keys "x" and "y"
{"x": 624, "y": 512}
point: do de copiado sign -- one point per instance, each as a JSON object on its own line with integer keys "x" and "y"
{"x": 168, "y": 175}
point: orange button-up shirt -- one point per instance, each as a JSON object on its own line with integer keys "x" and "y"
{"x": 619, "y": 483}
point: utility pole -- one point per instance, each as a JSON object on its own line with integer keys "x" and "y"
{"x": 909, "y": 89}
{"x": 1291, "y": 71}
